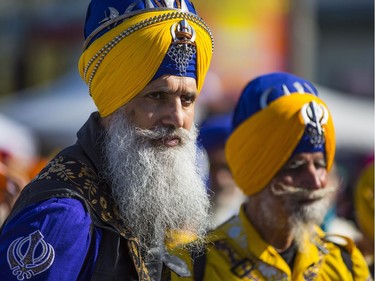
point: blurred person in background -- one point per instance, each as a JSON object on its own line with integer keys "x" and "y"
{"x": 103, "y": 207}
{"x": 12, "y": 180}
{"x": 279, "y": 152}
{"x": 225, "y": 196}
{"x": 19, "y": 161}
{"x": 364, "y": 213}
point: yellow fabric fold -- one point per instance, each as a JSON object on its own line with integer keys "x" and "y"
{"x": 131, "y": 64}
{"x": 262, "y": 144}
{"x": 364, "y": 201}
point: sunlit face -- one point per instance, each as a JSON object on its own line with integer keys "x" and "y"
{"x": 304, "y": 170}
{"x": 168, "y": 101}
{"x": 155, "y": 181}
{"x": 298, "y": 193}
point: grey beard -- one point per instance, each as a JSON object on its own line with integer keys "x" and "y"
{"x": 300, "y": 220}
{"x": 310, "y": 214}
{"x": 157, "y": 189}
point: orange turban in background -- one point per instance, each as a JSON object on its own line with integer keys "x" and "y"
{"x": 271, "y": 126}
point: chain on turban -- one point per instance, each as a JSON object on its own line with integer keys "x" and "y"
{"x": 130, "y": 43}
{"x": 277, "y": 116}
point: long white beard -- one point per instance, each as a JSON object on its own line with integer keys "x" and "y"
{"x": 157, "y": 189}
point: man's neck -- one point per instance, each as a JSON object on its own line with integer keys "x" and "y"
{"x": 278, "y": 235}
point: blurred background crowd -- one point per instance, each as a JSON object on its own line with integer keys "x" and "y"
{"x": 43, "y": 101}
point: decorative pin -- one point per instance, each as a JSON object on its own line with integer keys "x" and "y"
{"x": 23, "y": 259}
{"x": 315, "y": 116}
{"x": 183, "y": 47}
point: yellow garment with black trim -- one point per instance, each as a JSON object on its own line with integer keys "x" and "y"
{"x": 322, "y": 260}
{"x": 174, "y": 239}
{"x": 131, "y": 64}
{"x": 262, "y": 144}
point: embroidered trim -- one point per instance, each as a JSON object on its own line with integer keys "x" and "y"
{"x": 82, "y": 179}
{"x": 85, "y": 181}
{"x": 247, "y": 267}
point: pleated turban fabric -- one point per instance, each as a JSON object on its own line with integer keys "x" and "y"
{"x": 278, "y": 115}
{"x": 129, "y": 43}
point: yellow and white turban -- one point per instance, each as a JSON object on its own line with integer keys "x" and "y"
{"x": 127, "y": 41}
{"x": 277, "y": 116}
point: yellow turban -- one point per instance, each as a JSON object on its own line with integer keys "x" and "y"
{"x": 364, "y": 201}
{"x": 263, "y": 143}
{"x": 120, "y": 63}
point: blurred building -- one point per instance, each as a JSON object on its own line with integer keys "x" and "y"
{"x": 40, "y": 40}
{"x": 333, "y": 44}
{"x": 328, "y": 42}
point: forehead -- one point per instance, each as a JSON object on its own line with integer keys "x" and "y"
{"x": 172, "y": 83}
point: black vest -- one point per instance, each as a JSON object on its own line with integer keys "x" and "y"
{"x": 73, "y": 173}
{"x": 118, "y": 257}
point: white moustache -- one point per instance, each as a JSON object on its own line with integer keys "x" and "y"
{"x": 165, "y": 133}
{"x": 301, "y": 192}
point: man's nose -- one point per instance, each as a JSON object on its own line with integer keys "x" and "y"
{"x": 314, "y": 178}
{"x": 174, "y": 114}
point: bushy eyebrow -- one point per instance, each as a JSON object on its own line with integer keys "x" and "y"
{"x": 294, "y": 163}
{"x": 168, "y": 90}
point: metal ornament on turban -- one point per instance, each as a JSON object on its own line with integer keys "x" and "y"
{"x": 131, "y": 43}
{"x": 277, "y": 116}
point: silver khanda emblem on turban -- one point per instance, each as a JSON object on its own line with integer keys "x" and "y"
{"x": 183, "y": 47}
{"x": 315, "y": 116}
{"x": 30, "y": 255}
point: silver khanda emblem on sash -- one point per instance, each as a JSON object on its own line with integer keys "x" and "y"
{"x": 315, "y": 116}
{"x": 183, "y": 47}
{"x": 29, "y": 256}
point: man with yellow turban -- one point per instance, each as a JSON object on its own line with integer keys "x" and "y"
{"x": 104, "y": 208}
{"x": 280, "y": 150}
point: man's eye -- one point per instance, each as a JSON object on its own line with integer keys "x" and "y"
{"x": 188, "y": 99}
{"x": 294, "y": 165}
{"x": 155, "y": 95}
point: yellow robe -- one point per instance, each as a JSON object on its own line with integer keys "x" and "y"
{"x": 237, "y": 252}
